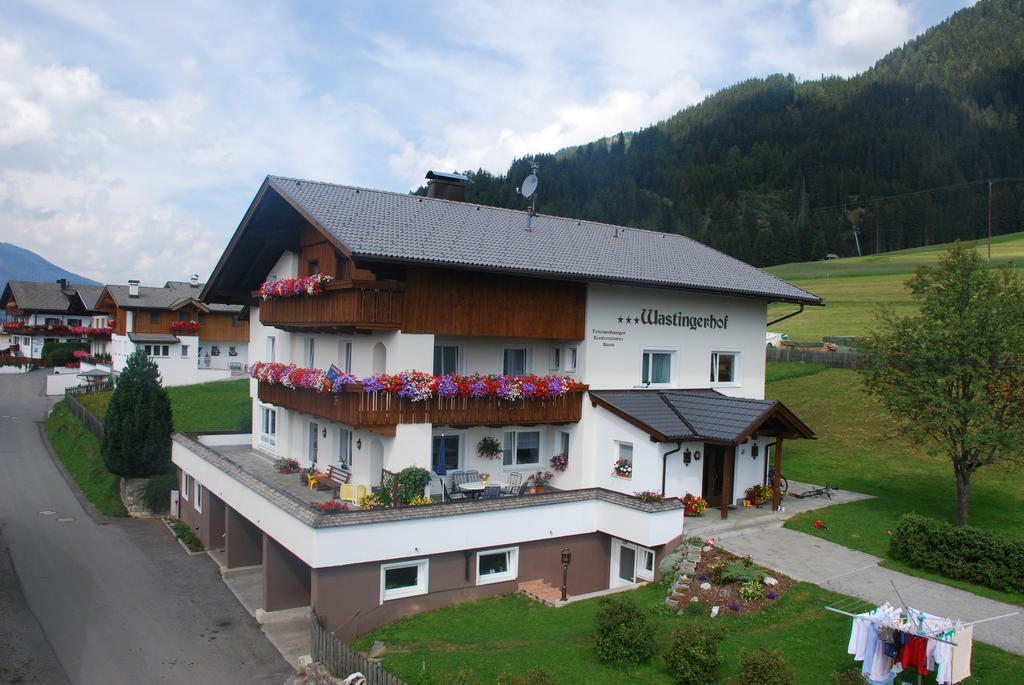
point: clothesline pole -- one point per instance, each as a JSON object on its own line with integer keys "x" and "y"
{"x": 995, "y": 618}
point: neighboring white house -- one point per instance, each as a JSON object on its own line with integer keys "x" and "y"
{"x": 663, "y": 337}
{"x": 190, "y": 342}
{"x": 41, "y": 312}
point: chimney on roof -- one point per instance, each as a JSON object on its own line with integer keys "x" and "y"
{"x": 446, "y": 186}
{"x": 63, "y": 282}
{"x": 133, "y": 288}
{"x": 194, "y": 280}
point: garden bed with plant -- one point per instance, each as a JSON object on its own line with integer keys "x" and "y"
{"x": 733, "y": 584}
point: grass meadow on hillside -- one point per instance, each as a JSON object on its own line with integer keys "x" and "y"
{"x": 858, "y": 449}
{"x": 855, "y": 288}
{"x": 222, "y": 405}
{"x": 79, "y": 451}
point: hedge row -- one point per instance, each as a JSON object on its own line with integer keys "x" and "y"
{"x": 961, "y": 552}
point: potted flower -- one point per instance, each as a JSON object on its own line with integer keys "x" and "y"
{"x": 560, "y": 462}
{"x": 489, "y": 448}
{"x": 305, "y": 474}
{"x": 650, "y": 496}
{"x": 484, "y": 477}
{"x": 758, "y": 494}
{"x": 329, "y": 507}
{"x": 623, "y": 468}
{"x": 694, "y": 505}
{"x": 540, "y": 481}
{"x": 286, "y": 465}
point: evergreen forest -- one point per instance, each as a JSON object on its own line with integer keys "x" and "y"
{"x": 775, "y": 170}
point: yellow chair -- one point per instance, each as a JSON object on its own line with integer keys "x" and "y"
{"x": 311, "y": 481}
{"x": 360, "y": 492}
{"x": 348, "y": 493}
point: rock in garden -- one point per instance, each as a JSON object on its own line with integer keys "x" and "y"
{"x": 725, "y": 592}
{"x": 694, "y": 599}
{"x": 377, "y": 650}
{"x": 768, "y": 580}
{"x": 705, "y": 586}
{"x": 688, "y": 566}
{"x": 706, "y": 548}
{"x": 671, "y": 603}
{"x": 714, "y": 611}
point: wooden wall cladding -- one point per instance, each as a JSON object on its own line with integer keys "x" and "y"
{"x": 447, "y": 302}
{"x": 224, "y": 328}
{"x": 315, "y": 248}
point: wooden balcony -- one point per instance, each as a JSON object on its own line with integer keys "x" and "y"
{"x": 342, "y": 306}
{"x": 381, "y": 412}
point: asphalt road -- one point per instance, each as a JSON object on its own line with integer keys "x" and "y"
{"x": 118, "y": 600}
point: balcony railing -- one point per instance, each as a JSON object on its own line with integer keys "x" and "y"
{"x": 381, "y": 412}
{"x": 342, "y": 305}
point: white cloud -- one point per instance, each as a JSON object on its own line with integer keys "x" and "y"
{"x": 853, "y": 34}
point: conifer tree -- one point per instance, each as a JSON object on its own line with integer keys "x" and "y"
{"x": 137, "y": 426}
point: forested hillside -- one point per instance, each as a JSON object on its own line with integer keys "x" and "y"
{"x": 775, "y": 170}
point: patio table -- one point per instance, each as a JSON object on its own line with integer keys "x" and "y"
{"x": 475, "y": 488}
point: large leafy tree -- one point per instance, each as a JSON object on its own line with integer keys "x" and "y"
{"x": 137, "y": 425}
{"x": 954, "y": 373}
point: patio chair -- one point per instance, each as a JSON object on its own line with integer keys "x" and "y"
{"x": 491, "y": 492}
{"x": 348, "y": 493}
{"x": 472, "y": 476}
{"x": 524, "y": 489}
{"x": 512, "y": 483}
{"x": 453, "y": 494}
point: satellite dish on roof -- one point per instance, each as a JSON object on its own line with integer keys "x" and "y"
{"x": 529, "y": 185}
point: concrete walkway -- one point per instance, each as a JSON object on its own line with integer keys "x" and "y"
{"x": 840, "y": 569}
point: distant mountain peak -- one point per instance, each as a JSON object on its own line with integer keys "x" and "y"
{"x": 19, "y": 264}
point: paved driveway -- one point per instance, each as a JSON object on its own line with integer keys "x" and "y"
{"x": 119, "y": 601}
{"x": 834, "y": 567}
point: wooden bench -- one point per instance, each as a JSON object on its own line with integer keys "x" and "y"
{"x": 336, "y": 477}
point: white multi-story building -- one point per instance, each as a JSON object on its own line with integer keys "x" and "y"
{"x": 41, "y": 312}
{"x": 662, "y": 336}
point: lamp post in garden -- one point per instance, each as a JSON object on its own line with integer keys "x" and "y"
{"x": 566, "y": 560}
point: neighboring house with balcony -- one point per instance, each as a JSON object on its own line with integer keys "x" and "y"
{"x": 191, "y": 342}
{"x": 651, "y": 346}
{"x": 40, "y": 312}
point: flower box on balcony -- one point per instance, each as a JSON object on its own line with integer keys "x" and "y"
{"x": 185, "y": 326}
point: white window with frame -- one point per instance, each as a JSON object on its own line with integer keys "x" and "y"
{"x": 570, "y": 359}
{"x": 449, "y": 447}
{"x": 446, "y": 359}
{"x": 724, "y": 368}
{"x": 268, "y": 425}
{"x": 556, "y": 358}
{"x": 515, "y": 361}
{"x": 271, "y": 343}
{"x": 309, "y": 352}
{"x": 345, "y": 447}
{"x": 404, "y": 579}
{"x": 184, "y": 351}
{"x": 631, "y": 563}
{"x": 656, "y": 369}
{"x": 563, "y": 443}
{"x": 497, "y": 565}
{"x": 199, "y": 497}
{"x": 185, "y": 485}
{"x": 624, "y": 452}
{"x": 345, "y": 355}
{"x": 520, "y": 448}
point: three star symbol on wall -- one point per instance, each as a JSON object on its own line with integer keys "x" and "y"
{"x": 629, "y": 319}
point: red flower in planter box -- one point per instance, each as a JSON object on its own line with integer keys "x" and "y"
{"x": 185, "y": 326}
{"x": 329, "y": 507}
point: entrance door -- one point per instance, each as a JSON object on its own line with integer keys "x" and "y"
{"x": 714, "y": 473}
{"x": 631, "y": 563}
{"x": 627, "y": 563}
{"x": 314, "y": 430}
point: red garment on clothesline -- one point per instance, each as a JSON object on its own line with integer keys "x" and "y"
{"x": 915, "y": 653}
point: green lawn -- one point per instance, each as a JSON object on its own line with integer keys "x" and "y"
{"x": 855, "y": 288}
{"x": 484, "y": 637}
{"x": 222, "y": 405}
{"x": 857, "y": 449}
{"x": 79, "y": 451}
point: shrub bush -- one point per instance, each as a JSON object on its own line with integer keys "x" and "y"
{"x": 959, "y": 552}
{"x": 764, "y": 668}
{"x": 137, "y": 426}
{"x": 157, "y": 495}
{"x": 185, "y": 534}
{"x": 59, "y": 354}
{"x": 411, "y": 481}
{"x": 692, "y": 655}
{"x": 669, "y": 563}
{"x": 623, "y": 631}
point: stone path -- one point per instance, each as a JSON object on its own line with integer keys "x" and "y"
{"x": 834, "y": 567}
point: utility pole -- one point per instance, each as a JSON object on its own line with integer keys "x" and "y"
{"x": 990, "y": 221}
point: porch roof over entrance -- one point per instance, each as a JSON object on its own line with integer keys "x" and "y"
{"x": 704, "y": 414}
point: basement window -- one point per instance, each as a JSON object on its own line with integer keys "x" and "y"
{"x": 497, "y": 565}
{"x": 403, "y": 579}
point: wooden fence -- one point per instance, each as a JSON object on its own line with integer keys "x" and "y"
{"x": 839, "y": 360}
{"x": 90, "y": 421}
{"x": 342, "y": 659}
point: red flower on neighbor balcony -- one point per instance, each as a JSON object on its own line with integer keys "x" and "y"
{"x": 185, "y": 326}
{"x": 329, "y": 507}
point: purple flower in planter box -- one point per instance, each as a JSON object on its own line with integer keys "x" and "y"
{"x": 702, "y": 578}
{"x": 734, "y": 607}
{"x": 771, "y": 595}
{"x": 446, "y": 387}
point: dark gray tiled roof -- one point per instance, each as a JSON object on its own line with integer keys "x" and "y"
{"x": 173, "y": 293}
{"x": 694, "y": 414}
{"x": 302, "y": 511}
{"x": 50, "y": 297}
{"x": 161, "y": 338}
{"x": 378, "y": 224}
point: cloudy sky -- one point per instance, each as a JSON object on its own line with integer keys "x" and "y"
{"x": 134, "y": 134}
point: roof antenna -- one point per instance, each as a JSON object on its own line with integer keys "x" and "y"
{"x": 529, "y": 190}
